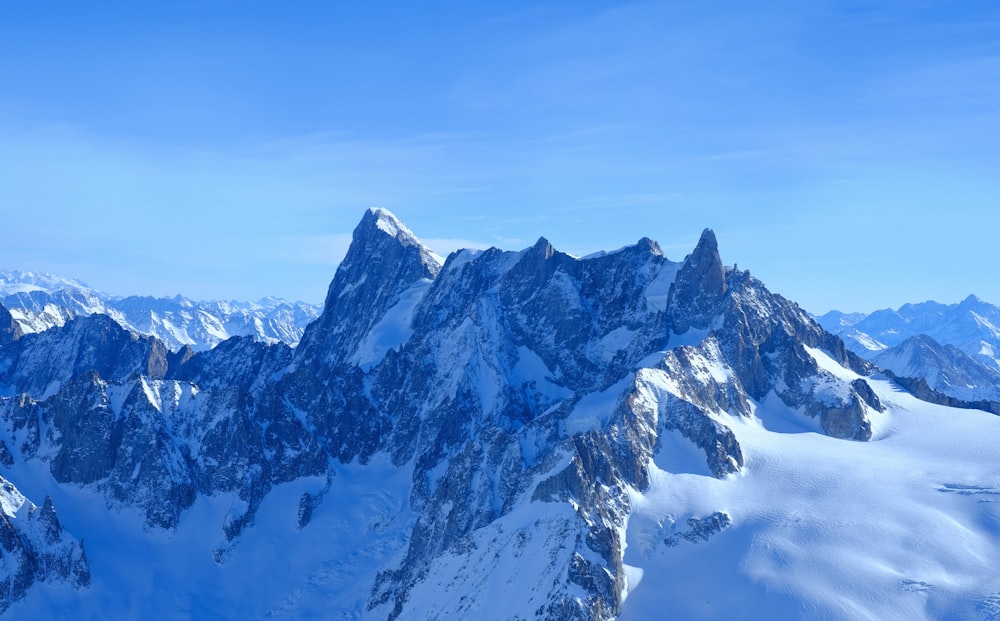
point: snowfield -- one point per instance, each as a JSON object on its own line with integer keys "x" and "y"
{"x": 324, "y": 570}
{"x": 906, "y": 526}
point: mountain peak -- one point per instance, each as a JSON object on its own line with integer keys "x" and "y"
{"x": 17, "y": 281}
{"x": 379, "y": 230}
{"x": 700, "y": 284}
{"x": 972, "y": 300}
{"x": 651, "y": 245}
{"x": 544, "y": 247}
{"x": 379, "y": 219}
{"x": 385, "y": 260}
{"x": 707, "y": 247}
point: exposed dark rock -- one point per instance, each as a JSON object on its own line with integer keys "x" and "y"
{"x": 865, "y": 392}
{"x": 307, "y": 504}
{"x": 38, "y": 364}
{"x": 699, "y": 287}
{"x": 700, "y": 529}
{"x": 34, "y": 548}
{"x": 239, "y": 361}
{"x": 10, "y": 330}
{"x": 918, "y": 387}
{"x": 6, "y": 457}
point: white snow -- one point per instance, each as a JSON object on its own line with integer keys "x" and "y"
{"x": 906, "y": 527}
{"x": 393, "y": 329}
{"x": 463, "y": 256}
{"x": 11, "y": 500}
{"x": 13, "y": 282}
{"x": 387, "y": 221}
{"x": 985, "y": 324}
{"x": 691, "y": 338}
{"x": 392, "y": 226}
{"x": 658, "y": 290}
{"x": 505, "y": 572}
{"x": 594, "y": 409}
{"x": 530, "y": 368}
{"x": 176, "y": 321}
{"x": 10, "y": 289}
{"x": 866, "y": 341}
{"x": 615, "y": 341}
{"x": 829, "y": 365}
{"x": 152, "y": 394}
{"x": 325, "y": 570}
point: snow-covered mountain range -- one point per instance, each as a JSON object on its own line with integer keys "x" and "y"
{"x": 498, "y": 435}
{"x": 40, "y": 301}
{"x": 955, "y": 348}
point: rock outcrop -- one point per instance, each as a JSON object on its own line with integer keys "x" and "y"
{"x": 34, "y": 547}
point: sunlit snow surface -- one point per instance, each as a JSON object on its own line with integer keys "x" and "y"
{"x": 906, "y": 526}
{"x": 274, "y": 570}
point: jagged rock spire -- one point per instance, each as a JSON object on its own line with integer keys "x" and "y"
{"x": 699, "y": 286}
{"x": 49, "y": 521}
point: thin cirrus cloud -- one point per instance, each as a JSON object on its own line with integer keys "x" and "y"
{"x": 810, "y": 136}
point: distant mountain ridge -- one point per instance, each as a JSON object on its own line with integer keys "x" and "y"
{"x": 954, "y": 347}
{"x": 971, "y": 325}
{"x": 39, "y": 301}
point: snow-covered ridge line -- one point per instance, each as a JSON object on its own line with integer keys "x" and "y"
{"x": 972, "y": 325}
{"x": 39, "y": 302}
{"x": 953, "y": 348}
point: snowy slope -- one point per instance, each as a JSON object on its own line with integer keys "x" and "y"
{"x": 903, "y": 527}
{"x": 814, "y": 533}
{"x": 278, "y": 570}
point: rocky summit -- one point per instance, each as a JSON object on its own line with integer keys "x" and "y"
{"x": 452, "y": 438}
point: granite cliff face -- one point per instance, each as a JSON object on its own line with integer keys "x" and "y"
{"x": 510, "y": 384}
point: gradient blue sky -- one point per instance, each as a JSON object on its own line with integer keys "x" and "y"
{"x": 847, "y": 155}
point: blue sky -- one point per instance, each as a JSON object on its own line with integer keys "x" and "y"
{"x": 847, "y": 153}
